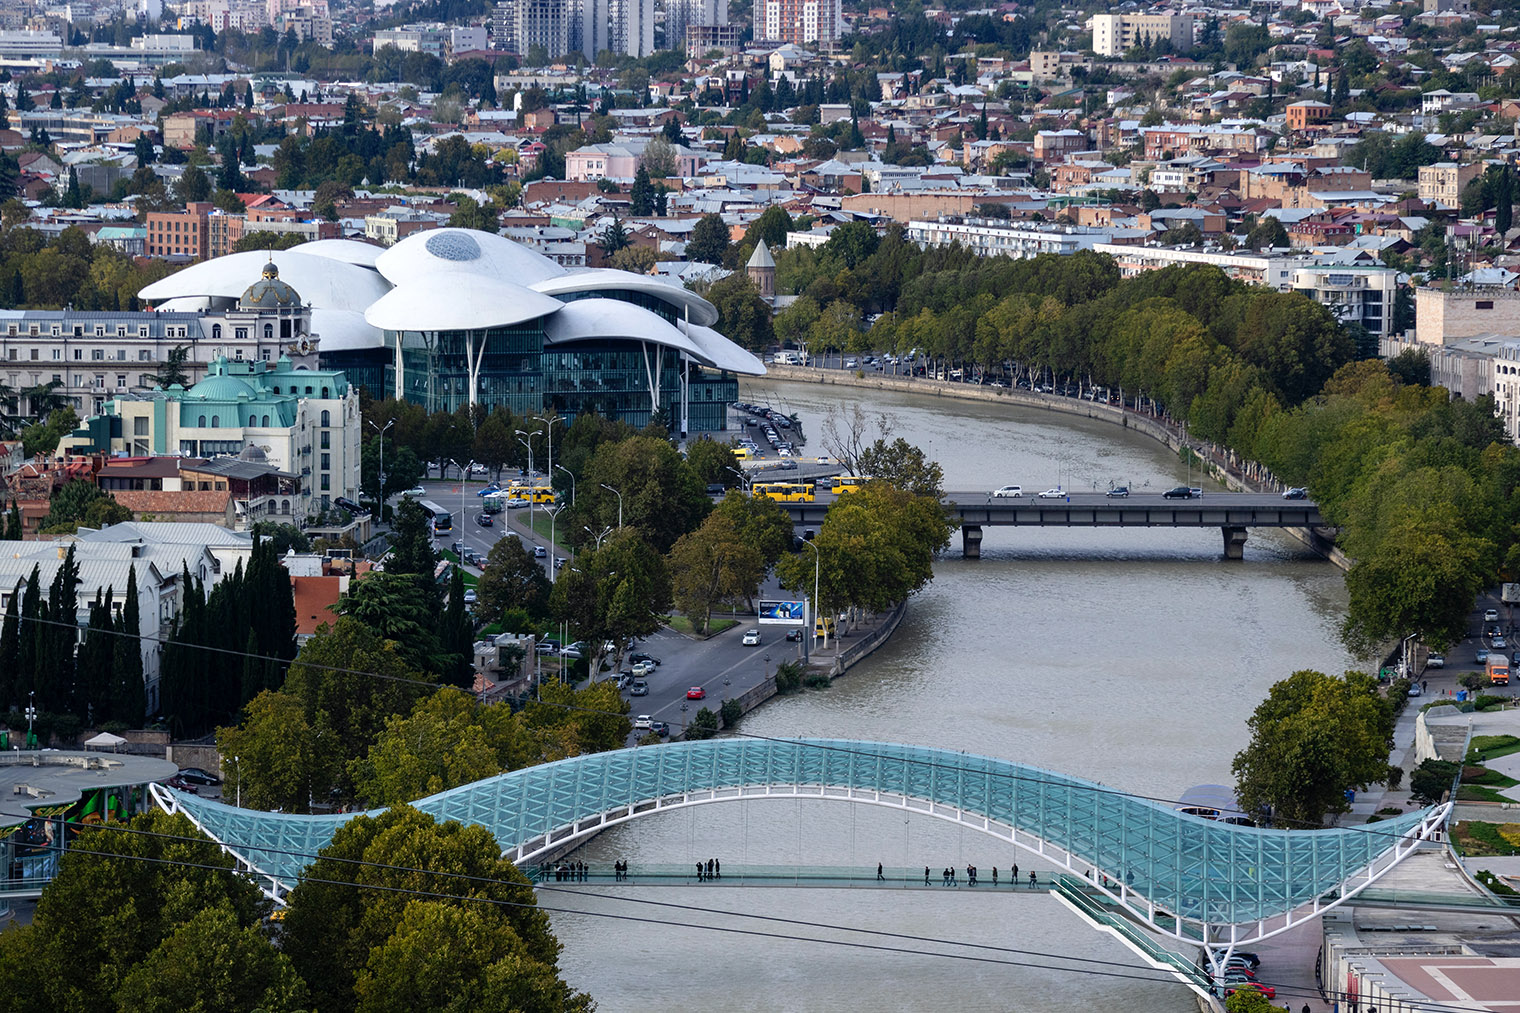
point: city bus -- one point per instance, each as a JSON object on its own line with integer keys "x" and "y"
{"x": 531, "y": 493}
{"x": 443, "y": 521}
{"x": 848, "y": 483}
{"x": 785, "y": 492}
{"x": 1498, "y": 669}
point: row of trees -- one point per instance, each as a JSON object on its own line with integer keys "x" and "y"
{"x": 43, "y": 661}
{"x": 398, "y": 913}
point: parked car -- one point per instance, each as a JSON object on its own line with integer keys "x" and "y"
{"x": 639, "y": 688}
{"x": 196, "y": 775}
{"x": 1008, "y": 492}
{"x": 1297, "y": 492}
{"x": 752, "y": 638}
{"x": 642, "y": 668}
{"x": 1180, "y": 492}
{"x": 644, "y": 657}
{"x": 1436, "y": 661}
{"x": 1119, "y": 492}
{"x": 1267, "y": 991}
{"x": 1056, "y": 493}
{"x": 1414, "y": 689}
{"x": 470, "y": 597}
{"x": 181, "y": 784}
{"x": 696, "y": 693}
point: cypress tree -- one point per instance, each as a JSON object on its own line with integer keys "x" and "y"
{"x": 128, "y": 695}
{"x": 10, "y": 647}
{"x": 96, "y": 655}
{"x": 30, "y": 644}
{"x": 458, "y": 635}
{"x": 55, "y": 668}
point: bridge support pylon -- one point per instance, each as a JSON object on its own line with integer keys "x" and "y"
{"x": 1234, "y": 542}
{"x": 971, "y": 541}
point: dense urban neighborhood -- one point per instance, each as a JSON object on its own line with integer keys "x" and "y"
{"x": 428, "y": 430}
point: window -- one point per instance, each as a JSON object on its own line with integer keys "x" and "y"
{"x": 216, "y": 422}
{"x": 78, "y": 354}
{"x": 140, "y": 426}
{"x": 326, "y": 483}
{"x": 201, "y": 422}
{"x": 57, "y": 354}
{"x": 97, "y": 354}
{"x": 326, "y": 418}
{"x": 1484, "y": 304}
{"x": 143, "y": 355}
{"x": 121, "y": 379}
{"x": 326, "y": 462}
{"x": 326, "y": 439}
{"x": 34, "y": 355}
{"x": 265, "y": 423}
{"x": 241, "y": 333}
{"x": 269, "y": 332}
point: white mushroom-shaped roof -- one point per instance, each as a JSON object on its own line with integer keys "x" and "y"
{"x": 349, "y": 251}
{"x": 606, "y": 279}
{"x": 324, "y": 282}
{"x": 721, "y": 353}
{"x": 464, "y": 252}
{"x": 469, "y": 303}
{"x": 344, "y": 331}
{"x": 600, "y": 319}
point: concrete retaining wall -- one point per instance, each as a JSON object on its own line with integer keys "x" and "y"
{"x": 860, "y": 649}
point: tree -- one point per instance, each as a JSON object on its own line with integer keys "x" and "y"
{"x": 903, "y": 465}
{"x": 193, "y": 185}
{"x": 613, "y": 237}
{"x": 458, "y": 637}
{"x": 439, "y": 745}
{"x": 479, "y": 943}
{"x": 172, "y": 370}
{"x": 614, "y": 593}
{"x": 710, "y": 461}
{"x": 82, "y": 502}
{"x": 713, "y": 565}
{"x": 660, "y": 495}
{"x": 412, "y": 547}
{"x": 512, "y": 579}
{"x": 1432, "y": 779}
{"x": 283, "y": 762}
{"x": 762, "y": 523}
{"x": 213, "y": 962}
{"x": 743, "y": 316}
{"x": 471, "y": 214}
{"x": 772, "y": 227}
{"x": 116, "y": 899}
{"x": 659, "y": 158}
{"x": 1314, "y": 738}
{"x": 403, "y": 608}
{"x": 128, "y": 697}
{"x": 709, "y": 240}
{"x": 1269, "y": 233}
{"x": 641, "y": 196}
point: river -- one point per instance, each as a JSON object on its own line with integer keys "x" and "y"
{"x": 1131, "y": 657}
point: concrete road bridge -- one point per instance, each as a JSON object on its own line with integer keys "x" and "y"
{"x": 1188, "y": 879}
{"x": 1231, "y": 512}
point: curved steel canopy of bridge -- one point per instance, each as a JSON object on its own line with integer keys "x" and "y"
{"x": 1187, "y": 878}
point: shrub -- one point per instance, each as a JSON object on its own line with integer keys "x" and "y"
{"x": 703, "y": 726}
{"x": 1395, "y": 777}
{"x": 788, "y": 677}
{"x": 1494, "y": 883}
{"x": 817, "y": 680}
{"x": 1472, "y": 680}
{"x": 730, "y": 712}
{"x": 1431, "y": 780}
{"x": 1487, "y": 702}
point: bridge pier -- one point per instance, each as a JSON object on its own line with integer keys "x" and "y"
{"x": 1234, "y": 542}
{"x": 971, "y": 541}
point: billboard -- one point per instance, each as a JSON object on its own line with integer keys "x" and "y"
{"x": 783, "y": 613}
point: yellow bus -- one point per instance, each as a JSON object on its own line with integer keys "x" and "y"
{"x": 848, "y": 483}
{"x": 532, "y": 493}
{"x": 741, "y": 453}
{"x": 785, "y": 492}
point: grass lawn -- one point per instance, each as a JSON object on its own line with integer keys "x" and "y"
{"x": 683, "y": 625}
{"x": 1475, "y": 838}
{"x": 1492, "y": 778}
{"x": 1491, "y": 747}
{"x": 540, "y": 527}
{"x": 1480, "y": 793}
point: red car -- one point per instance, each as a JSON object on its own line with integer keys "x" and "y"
{"x": 696, "y": 693}
{"x": 1266, "y": 990}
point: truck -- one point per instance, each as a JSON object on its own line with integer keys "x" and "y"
{"x": 1498, "y": 669}
{"x": 790, "y": 359}
{"x": 1509, "y": 594}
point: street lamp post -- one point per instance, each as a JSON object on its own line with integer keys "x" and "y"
{"x": 529, "y": 444}
{"x": 620, "y": 501}
{"x": 807, "y": 638}
{"x": 31, "y": 714}
{"x": 464, "y": 472}
{"x": 381, "y": 431}
{"x": 238, "y": 767}
{"x": 553, "y": 549}
{"x": 744, "y": 480}
{"x": 597, "y": 537}
{"x": 571, "y": 475}
{"x": 548, "y": 431}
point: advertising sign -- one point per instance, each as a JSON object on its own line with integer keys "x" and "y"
{"x": 783, "y": 613}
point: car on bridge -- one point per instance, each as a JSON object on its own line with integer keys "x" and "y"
{"x": 1056, "y": 493}
{"x": 1180, "y": 492}
{"x": 1008, "y": 492}
{"x": 1119, "y": 492}
{"x": 1297, "y": 492}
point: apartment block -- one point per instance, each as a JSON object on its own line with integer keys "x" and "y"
{"x": 1117, "y": 34}
{"x": 1445, "y": 181}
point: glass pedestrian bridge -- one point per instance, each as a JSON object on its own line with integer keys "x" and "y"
{"x": 1187, "y": 878}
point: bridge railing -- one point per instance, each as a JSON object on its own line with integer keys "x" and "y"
{"x": 1098, "y": 909}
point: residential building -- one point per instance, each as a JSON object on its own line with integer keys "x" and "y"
{"x": 997, "y": 237}
{"x": 801, "y": 22}
{"x": 1443, "y": 182}
{"x": 703, "y": 39}
{"x": 432, "y": 39}
{"x": 394, "y": 224}
{"x": 1442, "y": 315}
{"x": 630, "y": 29}
{"x": 681, "y": 15}
{"x": 1308, "y": 115}
{"x": 303, "y": 423}
{"x": 543, "y": 23}
{"x": 620, "y": 160}
{"x": 1117, "y": 34}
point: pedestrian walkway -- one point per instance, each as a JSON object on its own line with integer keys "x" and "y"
{"x": 803, "y": 876}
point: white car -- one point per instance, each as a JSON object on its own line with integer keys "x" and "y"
{"x": 642, "y": 668}
{"x": 1491, "y": 616}
{"x": 1008, "y": 492}
{"x": 1056, "y": 493}
{"x": 752, "y": 638}
{"x": 643, "y": 723}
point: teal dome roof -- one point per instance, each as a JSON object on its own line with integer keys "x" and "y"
{"x": 221, "y": 387}
{"x": 269, "y": 292}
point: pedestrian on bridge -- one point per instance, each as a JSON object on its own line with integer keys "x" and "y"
{"x": 699, "y": 872}
{"x": 1013, "y": 877}
{"x": 1033, "y": 881}
{"x": 926, "y": 875}
{"x": 879, "y": 876}
{"x": 994, "y": 875}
